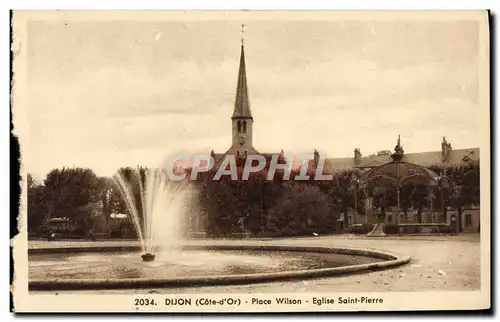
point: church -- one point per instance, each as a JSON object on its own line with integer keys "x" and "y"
{"x": 242, "y": 123}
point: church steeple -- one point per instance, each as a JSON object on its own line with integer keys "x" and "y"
{"x": 242, "y": 119}
{"x": 242, "y": 103}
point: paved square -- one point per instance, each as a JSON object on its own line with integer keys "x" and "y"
{"x": 439, "y": 263}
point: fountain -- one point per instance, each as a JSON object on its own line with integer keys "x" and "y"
{"x": 164, "y": 258}
{"x": 155, "y": 205}
{"x": 148, "y": 257}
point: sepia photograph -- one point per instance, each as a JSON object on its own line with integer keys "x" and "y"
{"x": 233, "y": 161}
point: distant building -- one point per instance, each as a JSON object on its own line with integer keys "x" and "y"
{"x": 114, "y": 225}
{"x": 60, "y": 225}
{"x": 446, "y": 157}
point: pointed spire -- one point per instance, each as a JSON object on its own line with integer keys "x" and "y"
{"x": 398, "y": 151}
{"x": 242, "y": 104}
{"x": 398, "y": 146}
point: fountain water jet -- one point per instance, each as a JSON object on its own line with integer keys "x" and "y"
{"x": 156, "y": 206}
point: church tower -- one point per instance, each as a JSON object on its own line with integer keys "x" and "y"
{"x": 242, "y": 119}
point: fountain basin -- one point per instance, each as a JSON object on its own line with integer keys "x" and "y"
{"x": 375, "y": 261}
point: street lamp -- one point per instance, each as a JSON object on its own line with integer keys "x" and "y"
{"x": 430, "y": 199}
{"x": 443, "y": 183}
{"x": 355, "y": 186}
{"x": 356, "y": 183}
{"x": 367, "y": 204}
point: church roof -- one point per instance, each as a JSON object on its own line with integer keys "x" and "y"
{"x": 242, "y": 103}
{"x": 338, "y": 164}
{"x": 218, "y": 157}
{"x": 401, "y": 173}
{"x": 425, "y": 159}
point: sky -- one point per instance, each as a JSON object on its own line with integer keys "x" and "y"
{"x": 104, "y": 94}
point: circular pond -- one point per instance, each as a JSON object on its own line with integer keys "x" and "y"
{"x": 119, "y": 267}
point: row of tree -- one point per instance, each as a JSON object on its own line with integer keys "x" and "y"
{"x": 256, "y": 206}
{"x": 73, "y": 193}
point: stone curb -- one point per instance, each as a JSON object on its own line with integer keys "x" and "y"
{"x": 389, "y": 260}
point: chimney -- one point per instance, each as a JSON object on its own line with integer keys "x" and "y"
{"x": 281, "y": 156}
{"x": 445, "y": 151}
{"x": 357, "y": 156}
{"x": 316, "y": 157}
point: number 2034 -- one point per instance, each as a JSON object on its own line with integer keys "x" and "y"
{"x": 144, "y": 302}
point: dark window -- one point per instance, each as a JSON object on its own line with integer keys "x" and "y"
{"x": 244, "y": 126}
{"x": 468, "y": 219}
{"x": 239, "y": 126}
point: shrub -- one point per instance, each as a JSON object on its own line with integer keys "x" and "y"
{"x": 412, "y": 229}
{"x": 361, "y": 228}
{"x": 448, "y": 229}
{"x": 302, "y": 209}
{"x": 391, "y": 229}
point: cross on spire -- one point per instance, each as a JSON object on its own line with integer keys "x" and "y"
{"x": 242, "y": 32}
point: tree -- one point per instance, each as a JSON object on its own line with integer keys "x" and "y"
{"x": 339, "y": 194}
{"x": 419, "y": 197}
{"x": 72, "y": 193}
{"x": 470, "y": 193}
{"x": 302, "y": 209}
{"x": 110, "y": 198}
{"x": 223, "y": 205}
{"x": 36, "y": 206}
{"x": 384, "y": 196}
{"x": 405, "y": 198}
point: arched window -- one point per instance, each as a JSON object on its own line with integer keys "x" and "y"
{"x": 239, "y": 126}
{"x": 244, "y": 126}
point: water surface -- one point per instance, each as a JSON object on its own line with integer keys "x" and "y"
{"x": 188, "y": 263}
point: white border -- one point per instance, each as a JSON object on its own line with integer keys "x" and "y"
{"x": 212, "y": 5}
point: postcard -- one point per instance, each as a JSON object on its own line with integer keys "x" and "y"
{"x": 251, "y": 161}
